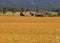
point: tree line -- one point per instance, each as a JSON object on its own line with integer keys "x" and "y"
{"x": 13, "y": 10}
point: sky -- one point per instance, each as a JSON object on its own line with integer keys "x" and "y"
{"x": 43, "y": 3}
{"x": 53, "y": 2}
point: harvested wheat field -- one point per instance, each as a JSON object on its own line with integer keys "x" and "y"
{"x": 29, "y": 29}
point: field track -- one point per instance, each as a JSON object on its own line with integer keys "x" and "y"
{"x": 29, "y": 29}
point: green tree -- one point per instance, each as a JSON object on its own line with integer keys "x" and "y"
{"x": 28, "y": 9}
{"x": 22, "y": 10}
{"x": 4, "y": 10}
{"x": 37, "y": 10}
{"x": 13, "y": 10}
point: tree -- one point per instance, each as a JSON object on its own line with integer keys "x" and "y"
{"x": 4, "y": 10}
{"x": 56, "y": 10}
{"x": 13, "y": 10}
{"x": 22, "y": 10}
{"x": 28, "y": 9}
{"x": 37, "y": 10}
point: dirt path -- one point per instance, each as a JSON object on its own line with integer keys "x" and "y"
{"x": 29, "y": 30}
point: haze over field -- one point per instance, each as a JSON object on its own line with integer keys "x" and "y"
{"x": 42, "y": 4}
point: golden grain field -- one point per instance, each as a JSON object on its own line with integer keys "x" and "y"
{"x": 29, "y": 29}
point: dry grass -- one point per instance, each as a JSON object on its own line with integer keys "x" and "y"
{"x": 29, "y": 30}
{"x": 14, "y": 14}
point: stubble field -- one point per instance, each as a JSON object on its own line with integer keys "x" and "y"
{"x": 29, "y": 29}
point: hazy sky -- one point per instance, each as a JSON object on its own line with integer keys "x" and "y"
{"x": 34, "y": 1}
{"x": 54, "y": 3}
